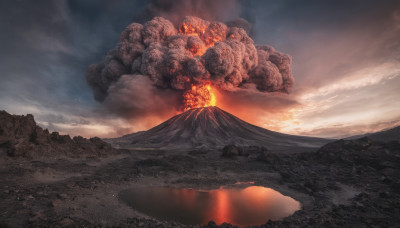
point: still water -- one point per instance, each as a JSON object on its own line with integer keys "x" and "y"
{"x": 240, "y": 206}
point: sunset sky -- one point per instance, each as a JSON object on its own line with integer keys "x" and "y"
{"x": 346, "y": 64}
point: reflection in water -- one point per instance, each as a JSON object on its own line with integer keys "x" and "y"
{"x": 249, "y": 206}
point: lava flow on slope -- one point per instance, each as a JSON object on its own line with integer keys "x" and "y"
{"x": 212, "y": 128}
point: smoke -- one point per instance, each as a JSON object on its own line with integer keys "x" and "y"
{"x": 155, "y": 63}
{"x": 176, "y": 10}
{"x": 136, "y": 95}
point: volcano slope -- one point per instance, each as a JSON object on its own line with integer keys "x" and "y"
{"x": 346, "y": 183}
{"x": 213, "y": 128}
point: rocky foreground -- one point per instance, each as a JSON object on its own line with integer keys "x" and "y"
{"x": 21, "y": 137}
{"x": 346, "y": 183}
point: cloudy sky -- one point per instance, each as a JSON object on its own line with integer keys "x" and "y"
{"x": 346, "y": 62}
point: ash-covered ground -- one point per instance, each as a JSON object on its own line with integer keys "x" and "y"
{"x": 352, "y": 183}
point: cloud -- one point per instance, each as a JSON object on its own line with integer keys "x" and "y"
{"x": 176, "y": 10}
{"x": 160, "y": 57}
{"x": 48, "y": 46}
{"x": 360, "y": 78}
{"x": 343, "y": 131}
{"x": 135, "y": 97}
{"x": 266, "y": 110}
{"x": 342, "y": 109}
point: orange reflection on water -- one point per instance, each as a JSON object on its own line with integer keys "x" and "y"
{"x": 220, "y": 210}
{"x": 231, "y": 205}
{"x": 257, "y": 196}
{"x": 253, "y": 205}
{"x": 189, "y": 197}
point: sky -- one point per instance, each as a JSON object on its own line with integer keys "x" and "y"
{"x": 346, "y": 63}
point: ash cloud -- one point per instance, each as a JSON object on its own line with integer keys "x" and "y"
{"x": 176, "y": 10}
{"x": 136, "y": 95}
{"x": 156, "y": 62}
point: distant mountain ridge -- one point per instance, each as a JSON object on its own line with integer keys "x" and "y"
{"x": 212, "y": 128}
{"x": 392, "y": 134}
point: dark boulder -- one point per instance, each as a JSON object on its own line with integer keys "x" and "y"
{"x": 233, "y": 151}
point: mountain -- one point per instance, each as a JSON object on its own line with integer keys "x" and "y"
{"x": 392, "y": 134}
{"x": 212, "y": 128}
{"x": 21, "y": 137}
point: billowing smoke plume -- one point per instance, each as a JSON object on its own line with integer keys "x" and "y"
{"x": 158, "y": 61}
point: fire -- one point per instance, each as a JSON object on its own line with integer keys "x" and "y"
{"x": 199, "y": 96}
{"x": 200, "y": 51}
{"x": 208, "y": 33}
{"x": 192, "y": 28}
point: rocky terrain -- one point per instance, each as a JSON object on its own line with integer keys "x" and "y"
{"x": 346, "y": 183}
{"x": 21, "y": 137}
{"x": 392, "y": 134}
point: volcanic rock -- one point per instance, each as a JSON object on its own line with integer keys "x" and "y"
{"x": 231, "y": 151}
{"x": 21, "y": 137}
{"x": 213, "y": 128}
{"x": 341, "y": 147}
{"x": 364, "y": 151}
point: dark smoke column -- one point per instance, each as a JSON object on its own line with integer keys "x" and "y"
{"x": 155, "y": 63}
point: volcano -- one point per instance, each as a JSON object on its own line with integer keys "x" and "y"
{"x": 212, "y": 128}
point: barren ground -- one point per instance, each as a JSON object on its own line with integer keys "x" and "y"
{"x": 74, "y": 192}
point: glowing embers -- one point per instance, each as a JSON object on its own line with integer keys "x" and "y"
{"x": 253, "y": 205}
{"x": 206, "y": 34}
{"x": 199, "y": 96}
{"x": 193, "y": 26}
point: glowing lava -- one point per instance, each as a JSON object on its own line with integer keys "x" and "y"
{"x": 207, "y": 32}
{"x": 199, "y": 96}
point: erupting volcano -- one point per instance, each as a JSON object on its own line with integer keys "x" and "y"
{"x": 161, "y": 67}
{"x": 199, "y": 96}
{"x": 213, "y": 128}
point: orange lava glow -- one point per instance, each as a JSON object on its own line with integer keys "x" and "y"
{"x": 199, "y": 96}
{"x": 221, "y": 212}
{"x": 227, "y": 204}
{"x": 209, "y": 35}
{"x": 253, "y": 205}
{"x": 201, "y": 50}
{"x": 189, "y": 29}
